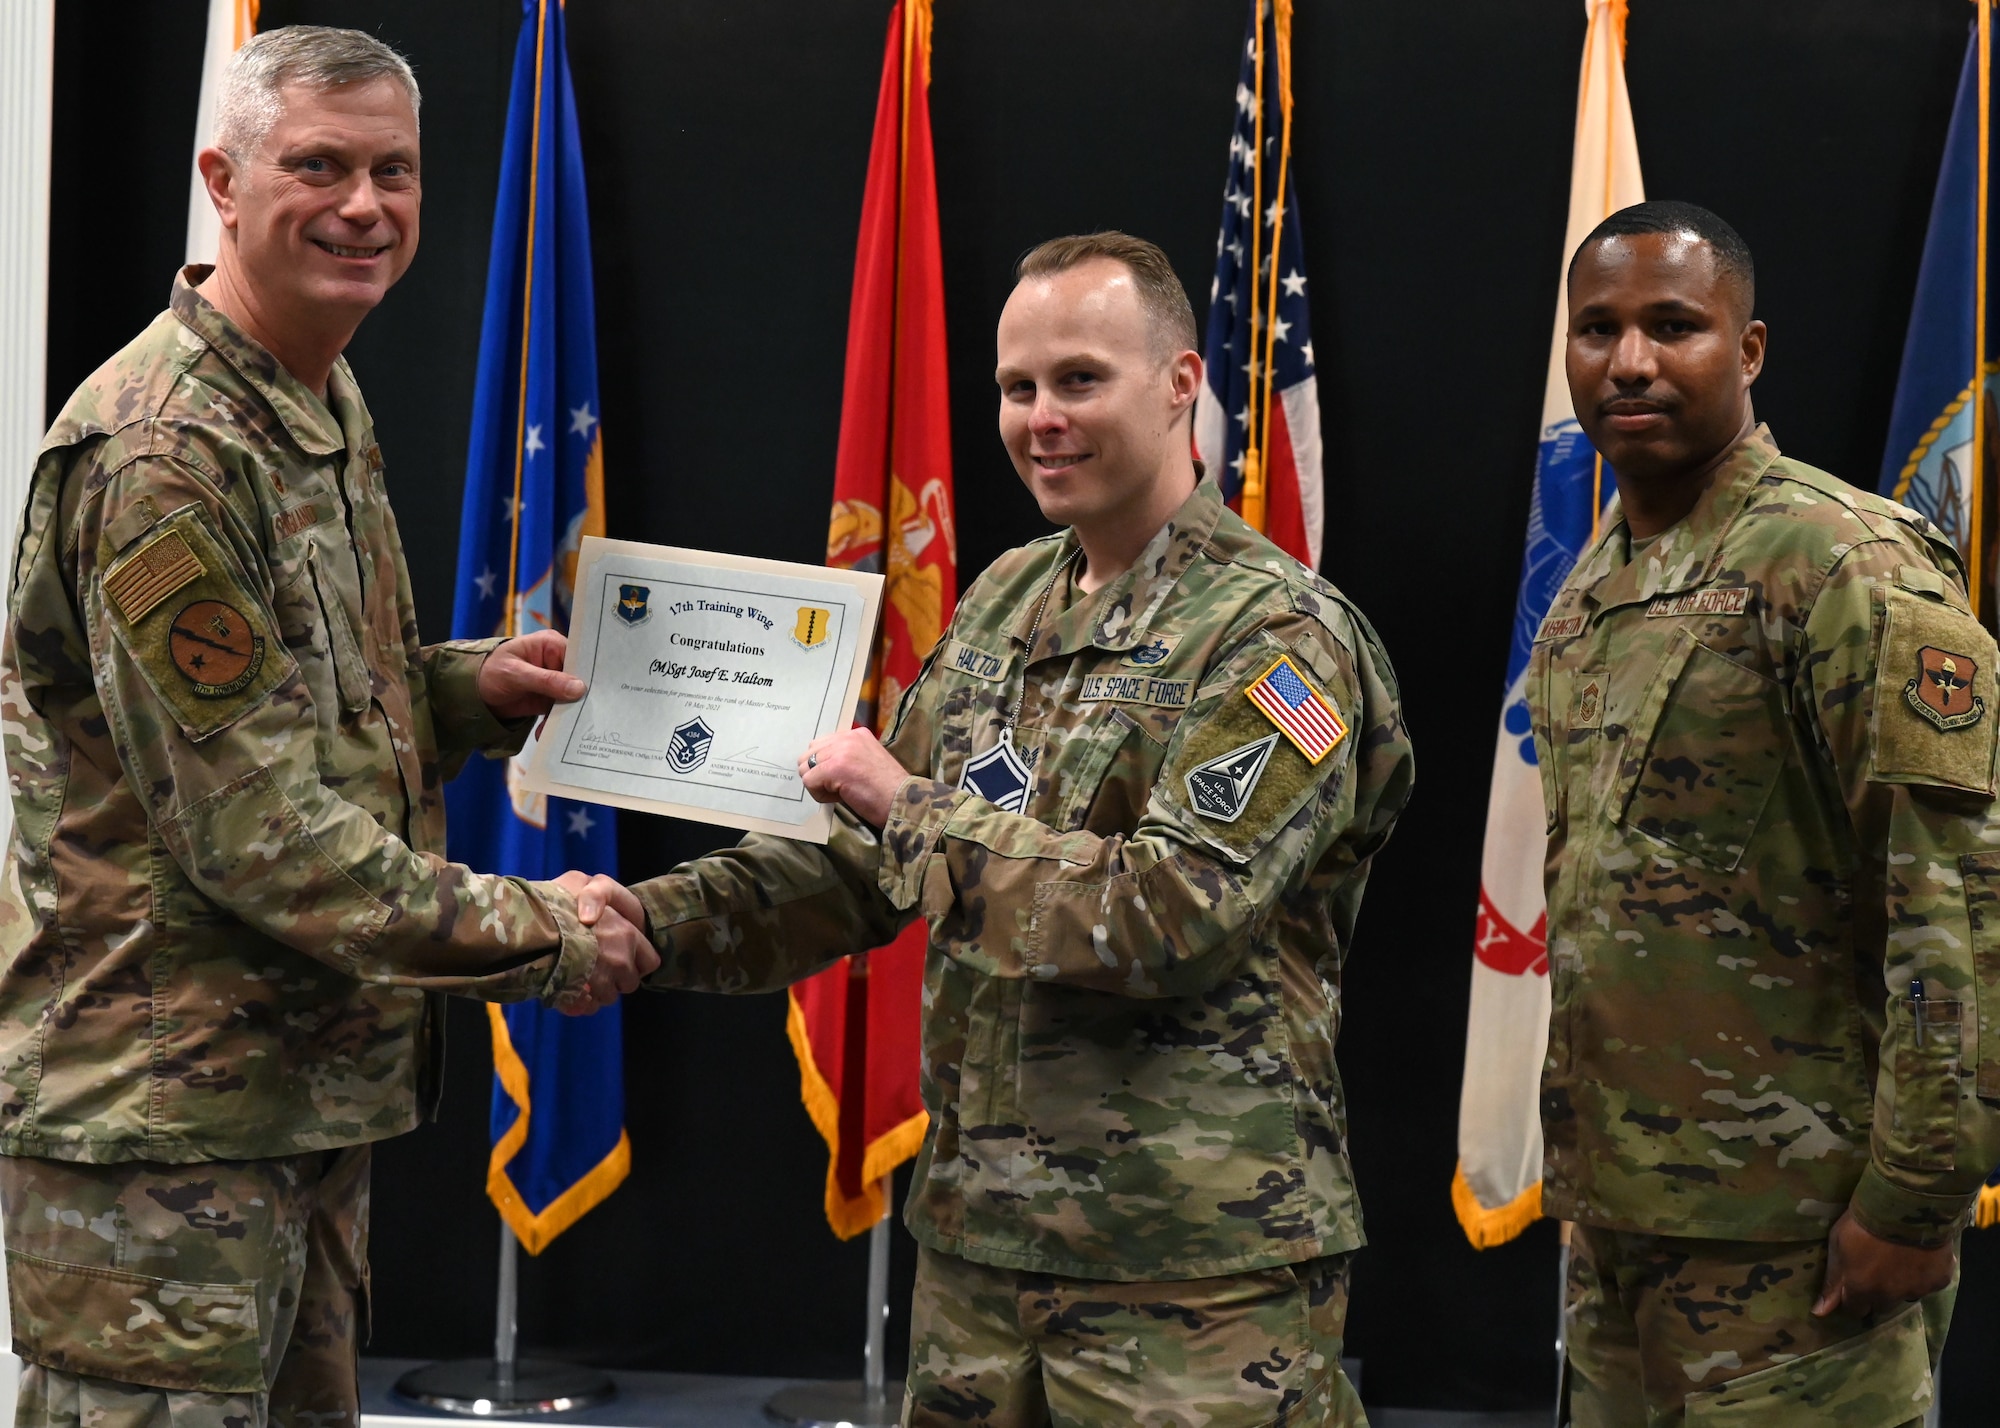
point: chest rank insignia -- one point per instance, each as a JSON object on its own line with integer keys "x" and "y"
{"x": 634, "y": 606}
{"x": 1221, "y": 788}
{"x": 1942, "y": 690}
{"x": 998, "y": 776}
{"x": 688, "y": 749}
{"x": 215, "y": 649}
{"x": 1588, "y": 712}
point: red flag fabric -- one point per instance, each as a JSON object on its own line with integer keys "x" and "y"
{"x": 854, "y": 1026}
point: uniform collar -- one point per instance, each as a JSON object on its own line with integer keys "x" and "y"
{"x": 312, "y": 426}
{"x": 1689, "y": 552}
{"x": 1119, "y": 616}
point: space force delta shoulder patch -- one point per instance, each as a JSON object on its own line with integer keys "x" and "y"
{"x": 1221, "y": 788}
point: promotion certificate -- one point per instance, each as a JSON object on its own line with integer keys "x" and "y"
{"x": 709, "y": 674}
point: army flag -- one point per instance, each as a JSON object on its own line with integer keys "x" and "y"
{"x": 1497, "y": 1190}
{"x": 854, "y": 1027}
{"x": 1256, "y": 421}
{"x": 1939, "y": 453}
{"x": 534, "y": 487}
{"x": 230, "y": 23}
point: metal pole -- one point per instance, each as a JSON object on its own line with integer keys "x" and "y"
{"x": 874, "y": 1373}
{"x": 506, "y": 1323}
{"x": 1562, "y": 1330}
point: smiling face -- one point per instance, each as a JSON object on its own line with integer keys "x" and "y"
{"x": 1660, "y": 353}
{"x": 1092, "y": 408}
{"x": 324, "y": 212}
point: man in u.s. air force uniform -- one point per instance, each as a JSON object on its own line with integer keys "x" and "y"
{"x": 1765, "y": 721}
{"x": 227, "y": 913}
{"x": 1135, "y": 793}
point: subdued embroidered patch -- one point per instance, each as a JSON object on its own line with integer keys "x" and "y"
{"x": 1934, "y": 675}
{"x": 290, "y": 522}
{"x": 151, "y": 573}
{"x": 1587, "y": 708}
{"x": 978, "y": 663}
{"x": 215, "y": 647}
{"x": 1137, "y": 689}
{"x": 1729, "y": 600}
{"x": 1559, "y": 627}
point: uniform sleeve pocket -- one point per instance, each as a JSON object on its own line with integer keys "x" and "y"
{"x": 1704, "y": 754}
{"x": 1921, "y": 1129}
{"x": 133, "y": 1328}
{"x": 1981, "y": 873}
{"x": 1880, "y": 1378}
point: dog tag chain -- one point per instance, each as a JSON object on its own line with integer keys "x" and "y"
{"x": 999, "y": 775}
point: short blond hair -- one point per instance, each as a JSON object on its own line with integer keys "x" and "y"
{"x": 251, "y": 96}
{"x": 1161, "y": 296}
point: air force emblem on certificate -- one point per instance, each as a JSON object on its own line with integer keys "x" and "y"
{"x": 688, "y": 749}
{"x": 634, "y": 606}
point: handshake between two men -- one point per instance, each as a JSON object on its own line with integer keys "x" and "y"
{"x": 848, "y": 767}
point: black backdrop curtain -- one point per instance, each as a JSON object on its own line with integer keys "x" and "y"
{"x": 725, "y": 143}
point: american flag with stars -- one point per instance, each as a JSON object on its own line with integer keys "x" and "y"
{"x": 1304, "y": 716}
{"x": 1233, "y": 350}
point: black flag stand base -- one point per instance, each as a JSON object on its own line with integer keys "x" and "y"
{"x": 874, "y": 1402}
{"x": 505, "y": 1386}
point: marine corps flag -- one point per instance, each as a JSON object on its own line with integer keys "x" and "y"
{"x": 1939, "y": 454}
{"x": 230, "y": 23}
{"x": 1497, "y": 1190}
{"x": 854, "y": 1026}
{"x": 534, "y": 486}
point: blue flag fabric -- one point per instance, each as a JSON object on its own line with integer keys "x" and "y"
{"x": 534, "y": 487}
{"x": 1928, "y": 461}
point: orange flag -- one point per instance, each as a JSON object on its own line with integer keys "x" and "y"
{"x": 855, "y": 1025}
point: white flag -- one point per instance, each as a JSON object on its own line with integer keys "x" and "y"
{"x": 1498, "y": 1188}
{"x": 230, "y": 23}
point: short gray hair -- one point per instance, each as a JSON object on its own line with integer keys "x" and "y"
{"x": 315, "y": 56}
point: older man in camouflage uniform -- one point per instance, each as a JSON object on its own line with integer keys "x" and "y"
{"x": 227, "y": 917}
{"x": 1764, "y": 716}
{"x": 1135, "y": 792}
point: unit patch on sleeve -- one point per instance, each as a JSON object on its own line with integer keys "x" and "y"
{"x": 213, "y": 646}
{"x": 151, "y": 573}
{"x": 1302, "y": 713}
{"x": 1942, "y": 690}
{"x": 1221, "y": 788}
{"x": 1934, "y": 674}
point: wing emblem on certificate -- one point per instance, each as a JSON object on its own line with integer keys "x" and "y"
{"x": 633, "y": 607}
{"x": 811, "y": 627}
{"x": 709, "y": 674}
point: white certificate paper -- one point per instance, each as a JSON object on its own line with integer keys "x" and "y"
{"x": 709, "y": 674}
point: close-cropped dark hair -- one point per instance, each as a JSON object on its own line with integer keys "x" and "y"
{"x": 1666, "y": 215}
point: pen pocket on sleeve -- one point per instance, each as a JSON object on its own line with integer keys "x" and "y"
{"x": 1923, "y": 1121}
{"x": 1980, "y": 873}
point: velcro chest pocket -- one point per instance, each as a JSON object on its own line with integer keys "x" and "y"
{"x": 1703, "y": 754}
{"x": 184, "y": 614}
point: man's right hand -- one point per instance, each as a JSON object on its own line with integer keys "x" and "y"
{"x": 625, "y": 956}
{"x": 594, "y": 893}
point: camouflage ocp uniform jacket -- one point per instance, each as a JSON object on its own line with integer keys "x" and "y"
{"x": 1767, "y": 749}
{"x": 1131, "y": 996}
{"x": 226, "y": 912}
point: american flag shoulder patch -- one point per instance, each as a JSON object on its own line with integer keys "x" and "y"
{"x": 1305, "y": 716}
{"x": 149, "y": 575}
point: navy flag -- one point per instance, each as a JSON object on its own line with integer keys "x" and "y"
{"x": 534, "y": 487}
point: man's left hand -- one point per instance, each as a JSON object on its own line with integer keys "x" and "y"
{"x": 524, "y": 677}
{"x": 1865, "y": 1273}
{"x": 853, "y": 768}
